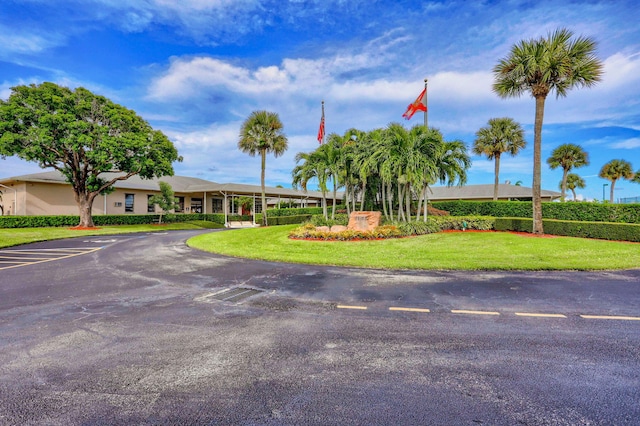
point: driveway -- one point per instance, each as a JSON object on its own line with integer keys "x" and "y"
{"x": 141, "y": 329}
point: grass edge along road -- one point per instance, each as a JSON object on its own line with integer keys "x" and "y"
{"x": 10, "y": 237}
{"x": 441, "y": 251}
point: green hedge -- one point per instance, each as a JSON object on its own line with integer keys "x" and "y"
{"x": 299, "y": 211}
{"x": 104, "y": 220}
{"x": 582, "y": 229}
{"x": 287, "y": 220}
{"x": 591, "y": 212}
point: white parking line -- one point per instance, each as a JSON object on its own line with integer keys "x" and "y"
{"x": 21, "y": 257}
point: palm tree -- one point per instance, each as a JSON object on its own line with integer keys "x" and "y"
{"x": 636, "y": 177}
{"x": 314, "y": 167}
{"x": 502, "y": 135}
{"x": 541, "y": 66}
{"x": 262, "y": 133}
{"x": 614, "y": 170}
{"x": 572, "y": 182}
{"x": 567, "y": 156}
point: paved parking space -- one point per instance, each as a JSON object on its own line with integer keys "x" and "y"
{"x": 14, "y": 258}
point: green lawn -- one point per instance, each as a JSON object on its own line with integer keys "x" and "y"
{"x": 16, "y": 236}
{"x": 442, "y": 251}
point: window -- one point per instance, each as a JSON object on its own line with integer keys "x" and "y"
{"x": 258, "y": 202}
{"x": 180, "y": 206}
{"x": 216, "y": 205}
{"x": 128, "y": 203}
{"x": 196, "y": 205}
{"x": 151, "y": 208}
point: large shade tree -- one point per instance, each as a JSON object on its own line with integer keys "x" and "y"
{"x": 82, "y": 135}
{"x": 572, "y": 182}
{"x": 541, "y": 66}
{"x": 615, "y": 170}
{"x": 502, "y": 135}
{"x": 262, "y": 133}
{"x": 568, "y": 156}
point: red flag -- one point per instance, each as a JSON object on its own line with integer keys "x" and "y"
{"x": 418, "y": 105}
{"x": 321, "y": 129}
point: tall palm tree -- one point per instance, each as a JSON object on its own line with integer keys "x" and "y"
{"x": 572, "y": 182}
{"x": 262, "y": 133}
{"x": 636, "y": 177}
{"x": 500, "y": 136}
{"x": 614, "y": 170}
{"x": 540, "y": 66}
{"x": 567, "y": 156}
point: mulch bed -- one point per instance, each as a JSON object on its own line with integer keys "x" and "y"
{"x": 522, "y": 234}
{"x": 84, "y": 228}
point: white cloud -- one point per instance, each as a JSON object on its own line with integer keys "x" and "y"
{"x": 23, "y": 42}
{"x": 627, "y": 144}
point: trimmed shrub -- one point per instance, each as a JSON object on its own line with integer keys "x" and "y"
{"x": 418, "y": 228}
{"x": 340, "y": 219}
{"x": 299, "y": 211}
{"x": 103, "y": 220}
{"x": 479, "y": 223}
{"x": 287, "y": 220}
{"x": 594, "y": 212}
{"x": 583, "y": 229}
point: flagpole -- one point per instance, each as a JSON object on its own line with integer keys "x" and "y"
{"x": 425, "y": 104}
{"x": 324, "y": 123}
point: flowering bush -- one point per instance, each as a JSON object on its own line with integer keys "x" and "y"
{"x": 396, "y": 229}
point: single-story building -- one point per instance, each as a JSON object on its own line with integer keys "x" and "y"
{"x": 48, "y": 193}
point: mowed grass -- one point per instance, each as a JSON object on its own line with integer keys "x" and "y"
{"x": 442, "y": 251}
{"x": 16, "y": 236}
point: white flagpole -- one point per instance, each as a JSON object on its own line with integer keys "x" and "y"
{"x": 425, "y": 104}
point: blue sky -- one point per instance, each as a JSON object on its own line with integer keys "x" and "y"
{"x": 195, "y": 69}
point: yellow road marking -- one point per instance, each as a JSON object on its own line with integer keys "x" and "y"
{"x": 393, "y": 308}
{"x": 610, "y": 317}
{"x": 462, "y": 311}
{"x": 530, "y": 314}
{"x": 363, "y": 308}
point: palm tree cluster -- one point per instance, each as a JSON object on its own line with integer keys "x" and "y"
{"x": 384, "y": 169}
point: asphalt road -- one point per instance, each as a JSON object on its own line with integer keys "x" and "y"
{"x": 141, "y": 329}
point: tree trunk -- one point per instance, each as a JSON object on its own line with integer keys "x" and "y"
{"x": 390, "y": 199}
{"x": 573, "y": 191}
{"x": 408, "y": 201}
{"x": 496, "y": 181}
{"x": 333, "y": 207}
{"x": 419, "y": 209}
{"x": 85, "y": 205}
{"x": 364, "y": 193}
{"x": 613, "y": 184}
{"x": 400, "y": 202}
{"x": 426, "y": 202}
{"x": 537, "y": 166}
{"x": 384, "y": 202}
{"x": 563, "y": 189}
{"x": 324, "y": 205}
{"x": 263, "y": 153}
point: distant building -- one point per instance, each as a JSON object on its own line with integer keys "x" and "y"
{"x": 506, "y": 192}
